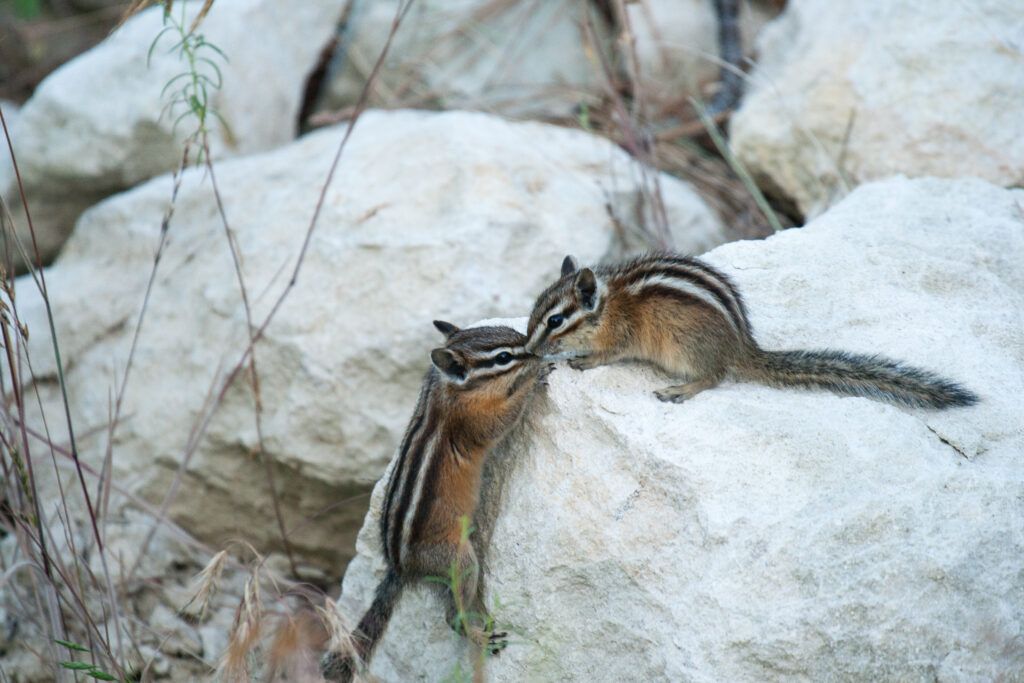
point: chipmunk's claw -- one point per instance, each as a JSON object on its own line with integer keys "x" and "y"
{"x": 545, "y": 370}
{"x": 496, "y": 642}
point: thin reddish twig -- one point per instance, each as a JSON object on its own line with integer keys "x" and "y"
{"x": 203, "y": 421}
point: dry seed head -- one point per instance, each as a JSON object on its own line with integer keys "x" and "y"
{"x": 207, "y": 584}
{"x": 245, "y": 634}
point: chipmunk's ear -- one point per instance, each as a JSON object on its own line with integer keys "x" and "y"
{"x": 447, "y": 329}
{"x": 586, "y": 287}
{"x": 570, "y": 265}
{"x": 445, "y": 361}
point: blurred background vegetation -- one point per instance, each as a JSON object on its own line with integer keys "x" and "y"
{"x": 37, "y": 36}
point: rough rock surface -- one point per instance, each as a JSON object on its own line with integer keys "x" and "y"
{"x": 429, "y": 216}
{"x": 850, "y": 92}
{"x": 101, "y": 123}
{"x": 759, "y": 534}
{"x": 526, "y": 58}
{"x": 512, "y": 58}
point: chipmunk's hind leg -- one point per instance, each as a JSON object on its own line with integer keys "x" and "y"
{"x": 698, "y": 348}
{"x": 472, "y": 620}
{"x": 678, "y": 393}
{"x": 703, "y": 362}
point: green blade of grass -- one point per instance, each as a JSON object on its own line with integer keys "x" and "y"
{"x": 735, "y": 165}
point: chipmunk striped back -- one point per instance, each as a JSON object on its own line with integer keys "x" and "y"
{"x": 663, "y": 274}
{"x": 474, "y": 393}
{"x": 444, "y": 421}
{"x": 687, "y": 318}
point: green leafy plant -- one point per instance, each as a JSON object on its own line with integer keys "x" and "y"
{"x": 84, "y": 667}
{"x": 463, "y": 617}
{"x": 189, "y": 92}
{"x": 27, "y": 9}
{"x": 584, "y": 117}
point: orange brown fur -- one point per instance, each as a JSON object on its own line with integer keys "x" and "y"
{"x": 687, "y": 318}
{"x": 476, "y": 391}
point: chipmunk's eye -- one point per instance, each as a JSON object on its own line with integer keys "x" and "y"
{"x": 503, "y": 358}
{"x": 555, "y": 320}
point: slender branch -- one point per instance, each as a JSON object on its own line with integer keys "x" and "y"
{"x": 634, "y": 140}
{"x": 53, "y": 333}
{"x": 267, "y": 464}
{"x": 206, "y": 416}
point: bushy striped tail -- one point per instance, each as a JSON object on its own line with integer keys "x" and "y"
{"x": 856, "y": 375}
{"x": 341, "y": 666}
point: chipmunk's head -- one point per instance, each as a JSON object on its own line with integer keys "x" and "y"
{"x": 486, "y": 359}
{"x": 565, "y": 316}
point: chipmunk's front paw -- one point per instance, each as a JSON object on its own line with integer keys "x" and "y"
{"x": 496, "y": 642}
{"x": 542, "y": 379}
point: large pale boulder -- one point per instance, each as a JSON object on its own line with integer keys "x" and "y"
{"x": 449, "y": 216}
{"x": 760, "y": 534}
{"x": 527, "y": 59}
{"x": 102, "y": 122}
{"x": 514, "y": 58}
{"x": 847, "y": 92}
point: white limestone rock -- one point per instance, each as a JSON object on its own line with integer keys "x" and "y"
{"x": 852, "y": 92}
{"x": 450, "y": 216}
{"x": 101, "y": 123}
{"x": 523, "y": 58}
{"x": 512, "y": 58}
{"x": 759, "y": 534}
{"x": 12, "y": 112}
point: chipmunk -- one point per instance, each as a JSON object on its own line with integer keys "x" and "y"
{"x": 474, "y": 393}
{"x": 688, "y": 319}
